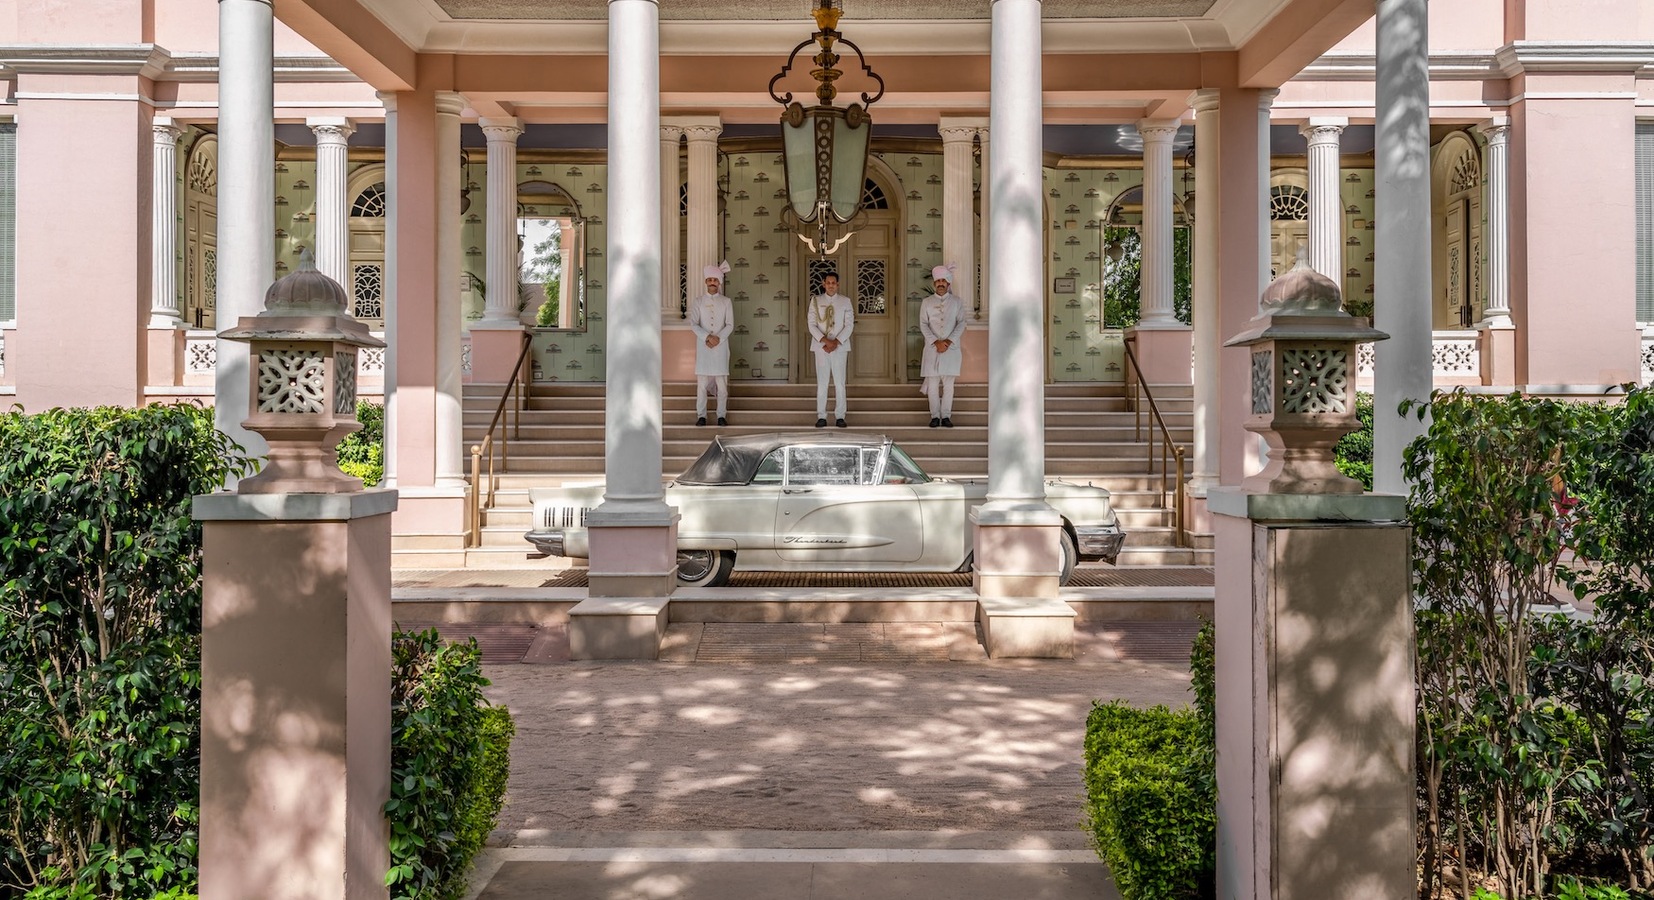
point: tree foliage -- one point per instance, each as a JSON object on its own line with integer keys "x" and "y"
{"x": 100, "y": 617}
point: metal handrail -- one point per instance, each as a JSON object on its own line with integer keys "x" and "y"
{"x": 517, "y": 386}
{"x": 1167, "y": 448}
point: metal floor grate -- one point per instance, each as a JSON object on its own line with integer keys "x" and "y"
{"x": 1129, "y": 577}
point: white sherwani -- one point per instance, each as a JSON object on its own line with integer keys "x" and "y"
{"x": 830, "y": 317}
{"x": 712, "y": 314}
{"x": 942, "y": 318}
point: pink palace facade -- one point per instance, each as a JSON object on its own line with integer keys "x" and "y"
{"x": 162, "y": 161}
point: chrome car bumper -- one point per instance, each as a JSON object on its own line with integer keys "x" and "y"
{"x": 546, "y": 543}
{"x": 1100, "y": 542}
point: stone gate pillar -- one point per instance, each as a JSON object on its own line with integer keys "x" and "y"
{"x": 1315, "y": 643}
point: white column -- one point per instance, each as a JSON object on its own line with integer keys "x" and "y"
{"x": 670, "y": 227}
{"x": 163, "y": 266}
{"x": 1497, "y": 240}
{"x": 632, "y": 401}
{"x": 332, "y": 206}
{"x": 500, "y": 228}
{"x": 450, "y": 386}
{"x": 1158, "y": 135}
{"x": 1326, "y": 211}
{"x": 1016, "y": 247}
{"x": 980, "y": 307}
{"x": 705, "y": 245}
{"x": 388, "y": 101}
{"x": 958, "y": 218}
{"x": 1204, "y": 302}
{"x": 1401, "y": 272}
{"x": 246, "y": 197}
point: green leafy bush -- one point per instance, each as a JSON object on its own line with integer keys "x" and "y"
{"x": 1353, "y": 454}
{"x": 100, "y": 618}
{"x": 449, "y": 761}
{"x": 1151, "y": 791}
{"x": 362, "y": 453}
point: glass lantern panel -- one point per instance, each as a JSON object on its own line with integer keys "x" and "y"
{"x": 849, "y": 167}
{"x": 799, "y": 144}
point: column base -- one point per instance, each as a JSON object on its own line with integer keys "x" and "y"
{"x": 494, "y": 351}
{"x": 1498, "y": 354}
{"x": 633, "y": 554}
{"x": 974, "y": 368}
{"x": 677, "y": 354}
{"x": 617, "y": 627}
{"x": 1164, "y": 352}
{"x": 1017, "y": 553}
{"x": 165, "y": 367}
{"x": 1026, "y": 628}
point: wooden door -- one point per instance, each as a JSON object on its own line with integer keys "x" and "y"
{"x": 1287, "y": 239}
{"x": 1457, "y": 276}
{"x": 866, "y": 267}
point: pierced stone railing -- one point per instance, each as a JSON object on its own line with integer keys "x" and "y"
{"x": 1648, "y": 357}
{"x": 201, "y": 356}
{"x": 1453, "y": 354}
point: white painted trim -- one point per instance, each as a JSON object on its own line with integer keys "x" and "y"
{"x": 1571, "y": 95}
{"x": 147, "y": 60}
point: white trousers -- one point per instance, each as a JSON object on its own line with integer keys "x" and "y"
{"x": 705, "y": 383}
{"x": 830, "y": 366}
{"x": 940, "y": 390}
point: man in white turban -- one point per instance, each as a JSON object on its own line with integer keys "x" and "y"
{"x": 942, "y": 321}
{"x": 831, "y": 319}
{"x": 712, "y": 318}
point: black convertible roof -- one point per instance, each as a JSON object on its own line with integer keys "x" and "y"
{"x": 734, "y": 459}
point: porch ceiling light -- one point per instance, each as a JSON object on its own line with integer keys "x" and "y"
{"x": 825, "y": 146}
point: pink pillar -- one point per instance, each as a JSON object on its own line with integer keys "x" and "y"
{"x": 1582, "y": 336}
{"x": 1242, "y": 271}
{"x": 295, "y": 695}
{"x": 426, "y": 508}
{"x": 64, "y": 305}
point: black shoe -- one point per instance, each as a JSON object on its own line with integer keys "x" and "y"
{"x": 947, "y": 423}
{"x": 701, "y": 421}
{"x": 840, "y": 423}
{"x": 821, "y": 423}
{"x": 722, "y": 421}
{"x": 935, "y": 421}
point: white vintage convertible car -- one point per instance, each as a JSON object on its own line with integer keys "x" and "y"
{"x": 820, "y": 501}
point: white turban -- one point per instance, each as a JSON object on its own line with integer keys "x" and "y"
{"x": 942, "y": 273}
{"x": 716, "y": 271}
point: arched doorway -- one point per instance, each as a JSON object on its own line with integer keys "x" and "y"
{"x": 368, "y": 205}
{"x": 1288, "y": 218}
{"x": 1456, "y": 242}
{"x": 201, "y": 235}
{"x": 866, "y": 264}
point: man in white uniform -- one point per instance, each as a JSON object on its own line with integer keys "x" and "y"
{"x": 831, "y": 319}
{"x": 712, "y": 318}
{"x": 942, "y": 321}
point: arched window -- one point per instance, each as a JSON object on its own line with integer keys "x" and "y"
{"x": 1288, "y": 203}
{"x": 370, "y": 203}
{"x": 872, "y": 196}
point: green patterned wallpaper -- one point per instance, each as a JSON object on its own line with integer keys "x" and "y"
{"x": 577, "y": 355}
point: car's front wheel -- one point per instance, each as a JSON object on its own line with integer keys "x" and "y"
{"x": 704, "y": 568}
{"x": 1070, "y": 556}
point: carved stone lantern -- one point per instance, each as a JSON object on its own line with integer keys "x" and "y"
{"x": 303, "y": 370}
{"x": 1303, "y": 382}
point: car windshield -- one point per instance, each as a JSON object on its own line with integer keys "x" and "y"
{"x": 902, "y": 466}
{"x": 826, "y": 465}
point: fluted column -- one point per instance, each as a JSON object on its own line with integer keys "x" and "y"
{"x": 958, "y": 218}
{"x": 392, "y": 418}
{"x": 1496, "y": 314}
{"x": 500, "y": 228}
{"x": 163, "y": 268}
{"x": 1326, "y": 211}
{"x": 1204, "y": 301}
{"x": 332, "y": 211}
{"x": 1158, "y": 135}
{"x": 671, "y": 136}
{"x": 984, "y": 297}
{"x": 705, "y": 236}
{"x": 1401, "y": 275}
{"x": 450, "y": 386}
{"x": 246, "y": 197}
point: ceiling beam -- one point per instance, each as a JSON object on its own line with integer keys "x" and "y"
{"x": 355, "y": 38}
{"x": 1297, "y": 36}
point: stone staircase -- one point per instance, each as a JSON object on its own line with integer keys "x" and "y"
{"x": 1090, "y": 437}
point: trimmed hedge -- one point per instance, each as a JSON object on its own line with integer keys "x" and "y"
{"x": 1151, "y": 791}
{"x": 450, "y": 756}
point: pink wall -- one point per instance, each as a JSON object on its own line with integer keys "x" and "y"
{"x": 83, "y": 254}
{"x": 416, "y": 288}
{"x": 1573, "y": 238}
{"x": 1239, "y": 276}
{"x": 79, "y": 21}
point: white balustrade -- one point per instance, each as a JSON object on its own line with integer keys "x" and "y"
{"x": 1455, "y": 354}
{"x": 1648, "y": 359}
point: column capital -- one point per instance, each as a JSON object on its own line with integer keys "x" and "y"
{"x": 1326, "y": 131}
{"x": 1156, "y": 131}
{"x": 165, "y": 130}
{"x": 1266, "y": 98}
{"x": 508, "y": 128}
{"x": 387, "y": 99}
{"x": 1204, "y": 100}
{"x": 958, "y": 134}
{"x": 702, "y": 132}
{"x": 331, "y": 130}
{"x": 671, "y": 133}
{"x": 449, "y": 103}
{"x": 1496, "y": 129}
